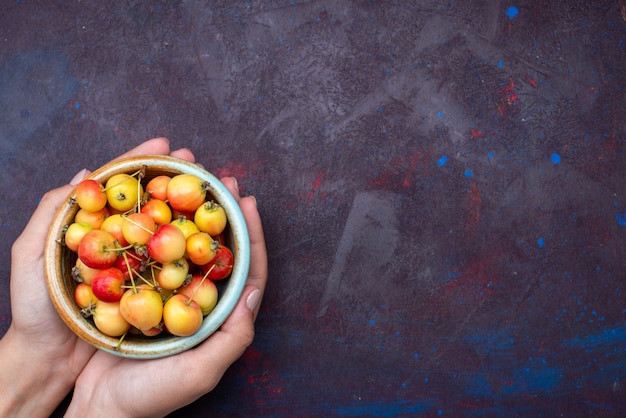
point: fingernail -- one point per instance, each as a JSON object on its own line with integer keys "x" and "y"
{"x": 235, "y": 181}
{"x": 253, "y": 198}
{"x": 252, "y": 302}
{"x": 78, "y": 177}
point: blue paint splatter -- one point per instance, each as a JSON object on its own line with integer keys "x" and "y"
{"x": 540, "y": 379}
{"x": 621, "y": 219}
{"x": 440, "y": 115}
{"x": 442, "y": 161}
{"x": 500, "y": 63}
{"x": 385, "y": 409}
{"x": 468, "y": 173}
{"x": 512, "y": 12}
{"x": 605, "y": 340}
{"x": 541, "y": 242}
{"x": 555, "y": 158}
{"x": 490, "y": 154}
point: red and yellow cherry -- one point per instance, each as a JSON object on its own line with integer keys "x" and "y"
{"x": 210, "y": 217}
{"x": 142, "y": 307}
{"x": 177, "y": 214}
{"x": 109, "y": 320}
{"x": 182, "y": 316}
{"x": 203, "y": 291}
{"x": 158, "y": 210}
{"x": 221, "y": 266}
{"x": 75, "y": 233}
{"x": 186, "y": 226}
{"x": 95, "y": 219}
{"x": 97, "y": 249}
{"x": 123, "y": 192}
{"x": 201, "y": 248}
{"x": 130, "y": 263}
{"x": 83, "y": 273}
{"x": 138, "y": 228}
{"x": 173, "y": 275}
{"x": 83, "y": 296}
{"x": 113, "y": 225}
{"x": 167, "y": 244}
{"x": 186, "y": 192}
{"x": 107, "y": 285}
{"x": 152, "y": 332}
{"x": 157, "y": 187}
{"x": 90, "y": 196}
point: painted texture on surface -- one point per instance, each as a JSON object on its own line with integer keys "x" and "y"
{"x": 441, "y": 184}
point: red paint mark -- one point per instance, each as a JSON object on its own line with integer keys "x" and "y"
{"x": 411, "y": 171}
{"x": 508, "y": 99}
{"x": 402, "y": 170}
{"x": 542, "y": 345}
{"x": 234, "y": 169}
{"x": 316, "y": 185}
{"x": 476, "y": 133}
{"x": 530, "y": 81}
{"x": 474, "y": 205}
{"x": 508, "y": 88}
{"x": 264, "y": 383}
{"x": 474, "y": 283}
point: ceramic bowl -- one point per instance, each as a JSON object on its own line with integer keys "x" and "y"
{"x": 59, "y": 261}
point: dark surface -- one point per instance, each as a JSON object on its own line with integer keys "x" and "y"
{"x": 442, "y": 184}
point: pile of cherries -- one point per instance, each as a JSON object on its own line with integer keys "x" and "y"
{"x": 148, "y": 256}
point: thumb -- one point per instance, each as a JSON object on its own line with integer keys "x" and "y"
{"x": 37, "y": 228}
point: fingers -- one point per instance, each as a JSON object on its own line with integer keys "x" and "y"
{"x": 226, "y": 345}
{"x": 184, "y": 154}
{"x": 159, "y": 146}
{"x": 232, "y": 186}
{"x": 154, "y": 146}
{"x": 257, "y": 275}
{"x": 80, "y": 176}
{"x": 222, "y": 348}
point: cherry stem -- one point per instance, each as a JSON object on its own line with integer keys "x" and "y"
{"x": 188, "y": 302}
{"x": 154, "y": 264}
{"x": 155, "y": 282}
{"x": 139, "y": 196}
{"x": 119, "y": 342}
{"x": 136, "y": 173}
{"x": 126, "y": 218}
{"x": 119, "y": 247}
{"x": 130, "y": 272}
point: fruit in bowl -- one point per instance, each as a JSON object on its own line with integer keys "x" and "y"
{"x": 148, "y": 257}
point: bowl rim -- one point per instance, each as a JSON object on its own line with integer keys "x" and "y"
{"x": 146, "y": 349}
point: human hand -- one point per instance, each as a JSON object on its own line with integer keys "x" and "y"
{"x": 116, "y": 386}
{"x": 40, "y": 357}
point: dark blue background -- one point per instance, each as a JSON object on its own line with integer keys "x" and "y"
{"x": 442, "y": 184}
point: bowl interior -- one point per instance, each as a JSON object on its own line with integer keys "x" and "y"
{"x": 59, "y": 261}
